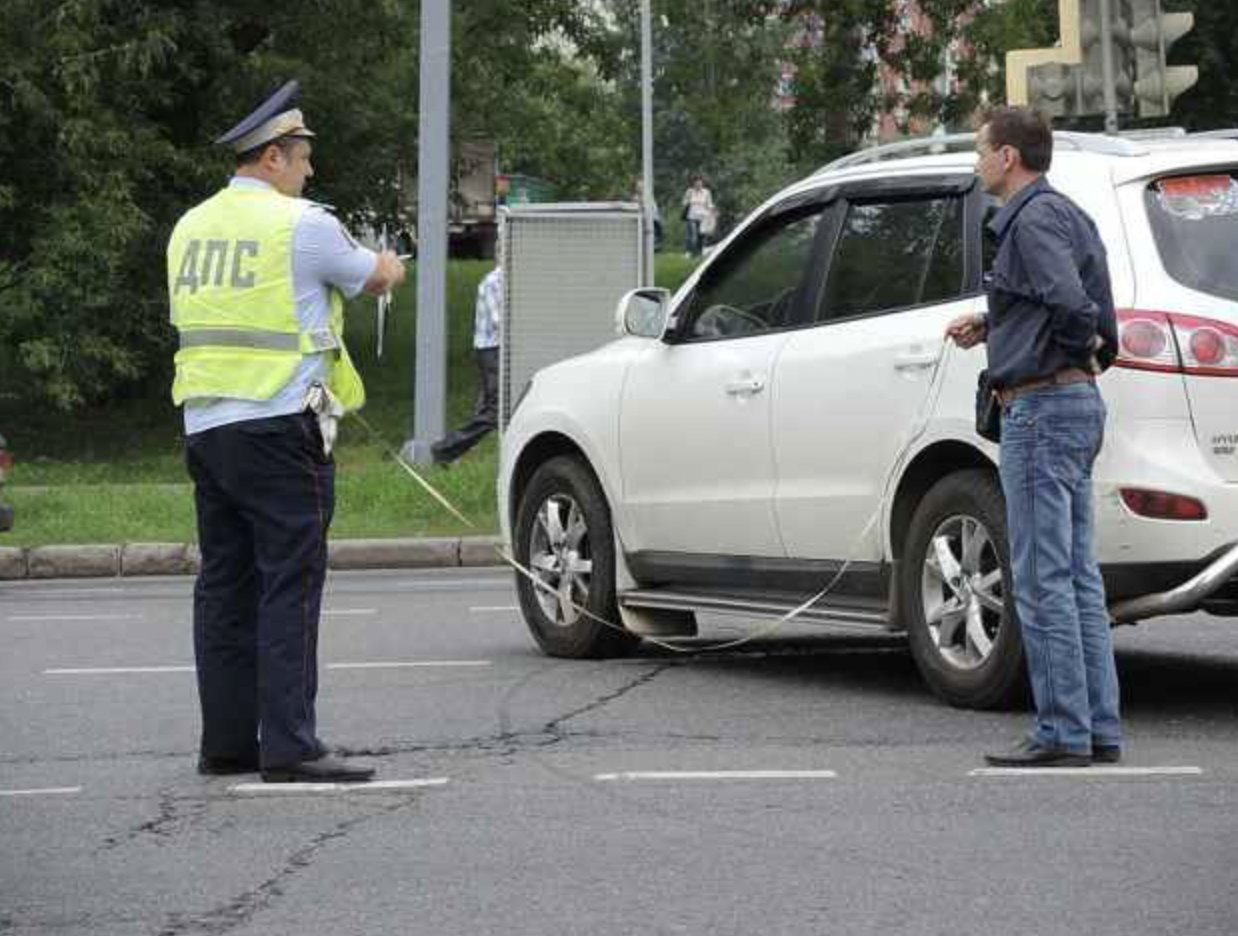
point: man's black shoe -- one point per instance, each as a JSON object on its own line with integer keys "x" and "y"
{"x": 324, "y": 769}
{"x": 1106, "y": 753}
{"x": 1032, "y": 754}
{"x": 226, "y": 766}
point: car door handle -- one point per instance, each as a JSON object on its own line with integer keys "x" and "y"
{"x": 917, "y": 360}
{"x": 746, "y": 387}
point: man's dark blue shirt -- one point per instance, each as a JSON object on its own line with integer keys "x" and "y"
{"x": 1049, "y": 292}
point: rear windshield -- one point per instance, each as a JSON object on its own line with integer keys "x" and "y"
{"x": 1195, "y": 223}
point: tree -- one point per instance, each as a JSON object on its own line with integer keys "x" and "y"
{"x": 107, "y": 110}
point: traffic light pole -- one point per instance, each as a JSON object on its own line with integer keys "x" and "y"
{"x": 1106, "y": 58}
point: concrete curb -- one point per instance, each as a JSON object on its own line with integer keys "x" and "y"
{"x": 130, "y": 559}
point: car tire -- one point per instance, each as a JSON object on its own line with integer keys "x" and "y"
{"x": 956, "y": 597}
{"x": 563, "y": 535}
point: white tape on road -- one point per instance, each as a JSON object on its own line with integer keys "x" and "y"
{"x": 629, "y": 775}
{"x": 297, "y": 789}
{"x": 1086, "y": 772}
{"x": 45, "y": 791}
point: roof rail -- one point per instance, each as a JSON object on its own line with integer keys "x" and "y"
{"x": 1229, "y": 134}
{"x": 960, "y": 142}
{"x": 904, "y": 149}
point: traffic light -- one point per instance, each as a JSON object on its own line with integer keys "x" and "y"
{"x": 1152, "y": 32}
{"x": 1068, "y": 80}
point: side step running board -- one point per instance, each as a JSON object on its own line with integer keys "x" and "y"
{"x": 871, "y": 615}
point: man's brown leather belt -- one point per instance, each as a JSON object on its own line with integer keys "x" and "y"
{"x": 1068, "y": 375}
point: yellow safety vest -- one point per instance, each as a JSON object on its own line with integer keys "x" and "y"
{"x": 231, "y": 288}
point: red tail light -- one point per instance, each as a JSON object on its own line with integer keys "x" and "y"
{"x": 1176, "y": 343}
{"x": 1162, "y": 506}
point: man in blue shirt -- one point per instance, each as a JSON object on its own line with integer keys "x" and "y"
{"x": 1050, "y": 329}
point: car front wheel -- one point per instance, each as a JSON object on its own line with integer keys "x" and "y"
{"x": 957, "y": 600}
{"x": 563, "y": 537}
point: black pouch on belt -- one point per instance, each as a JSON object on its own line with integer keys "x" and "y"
{"x": 988, "y": 410}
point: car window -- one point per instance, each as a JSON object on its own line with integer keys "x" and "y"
{"x": 1195, "y": 225}
{"x": 754, "y": 288}
{"x": 893, "y": 254}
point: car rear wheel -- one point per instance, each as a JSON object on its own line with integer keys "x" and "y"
{"x": 563, "y": 536}
{"x": 957, "y": 600}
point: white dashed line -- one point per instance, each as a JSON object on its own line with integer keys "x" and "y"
{"x": 69, "y": 618}
{"x": 45, "y": 791}
{"x": 115, "y": 670}
{"x": 718, "y": 775}
{"x": 486, "y": 609}
{"x": 349, "y": 612}
{"x": 373, "y": 786}
{"x": 1086, "y": 772}
{"x": 407, "y": 664}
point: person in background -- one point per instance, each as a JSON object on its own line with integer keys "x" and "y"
{"x": 487, "y": 321}
{"x": 698, "y": 205}
{"x": 257, "y": 277}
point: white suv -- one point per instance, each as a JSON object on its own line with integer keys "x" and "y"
{"x": 794, "y": 409}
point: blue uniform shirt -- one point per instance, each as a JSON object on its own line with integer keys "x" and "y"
{"x": 324, "y": 256}
{"x": 1049, "y": 292}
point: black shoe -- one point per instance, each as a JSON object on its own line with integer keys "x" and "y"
{"x": 226, "y": 766}
{"x": 1033, "y": 754}
{"x": 324, "y": 769}
{"x": 1106, "y": 753}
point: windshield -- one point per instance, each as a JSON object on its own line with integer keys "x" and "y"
{"x": 1195, "y": 223}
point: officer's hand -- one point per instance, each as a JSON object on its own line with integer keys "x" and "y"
{"x": 967, "y": 331}
{"x": 388, "y": 272}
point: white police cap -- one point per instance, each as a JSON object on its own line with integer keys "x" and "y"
{"x": 275, "y": 118}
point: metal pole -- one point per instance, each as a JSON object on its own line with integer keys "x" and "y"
{"x": 434, "y": 148}
{"x": 650, "y": 201}
{"x": 1106, "y": 64}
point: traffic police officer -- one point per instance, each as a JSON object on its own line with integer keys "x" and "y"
{"x": 257, "y": 277}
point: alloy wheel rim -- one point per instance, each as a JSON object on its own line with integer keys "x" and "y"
{"x": 962, "y": 591}
{"x": 561, "y": 558}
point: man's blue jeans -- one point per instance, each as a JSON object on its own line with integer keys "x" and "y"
{"x": 1050, "y": 439}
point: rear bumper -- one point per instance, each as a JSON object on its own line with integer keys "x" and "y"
{"x": 1216, "y": 584}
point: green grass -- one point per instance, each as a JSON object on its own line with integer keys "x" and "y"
{"x": 118, "y": 475}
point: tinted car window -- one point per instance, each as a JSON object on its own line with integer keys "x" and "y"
{"x": 1195, "y": 224}
{"x": 895, "y": 254}
{"x": 754, "y": 288}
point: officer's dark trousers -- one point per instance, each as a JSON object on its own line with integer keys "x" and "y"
{"x": 485, "y": 412}
{"x": 265, "y": 494}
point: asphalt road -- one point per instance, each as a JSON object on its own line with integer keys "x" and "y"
{"x": 544, "y": 796}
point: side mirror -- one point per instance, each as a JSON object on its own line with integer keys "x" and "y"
{"x": 643, "y": 313}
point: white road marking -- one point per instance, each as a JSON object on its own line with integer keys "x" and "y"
{"x": 27, "y": 618}
{"x": 45, "y": 791}
{"x": 1086, "y": 772}
{"x": 482, "y": 609}
{"x": 407, "y": 664}
{"x": 718, "y": 775}
{"x": 372, "y": 786}
{"x": 115, "y": 670}
{"x": 348, "y": 612}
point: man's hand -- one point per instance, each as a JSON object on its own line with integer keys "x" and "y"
{"x": 388, "y": 272}
{"x": 967, "y": 331}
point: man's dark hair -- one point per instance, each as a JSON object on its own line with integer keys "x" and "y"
{"x": 251, "y": 156}
{"x": 1026, "y": 130}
